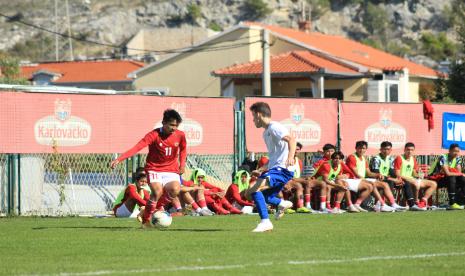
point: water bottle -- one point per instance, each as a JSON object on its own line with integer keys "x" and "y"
{"x": 421, "y": 174}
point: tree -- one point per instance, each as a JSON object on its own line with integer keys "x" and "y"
{"x": 194, "y": 12}
{"x": 10, "y": 71}
{"x": 257, "y": 8}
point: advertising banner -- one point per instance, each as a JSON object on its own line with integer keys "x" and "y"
{"x": 312, "y": 122}
{"x": 35, "y": 122}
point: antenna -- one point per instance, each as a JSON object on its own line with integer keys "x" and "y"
{"x": 57, "y": 56}
{"x": 70, "y": 41}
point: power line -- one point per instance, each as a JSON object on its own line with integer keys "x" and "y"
{"x": 202, "y": 48}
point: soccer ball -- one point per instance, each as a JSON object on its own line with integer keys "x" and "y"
{"x": 161, "y": 219}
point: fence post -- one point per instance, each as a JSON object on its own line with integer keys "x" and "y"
{"x": 13, "y": 184}
{"x": 338, "y": 142}
{"x": 18, "y": 160}
{"x": 8, "y": 184}
{"x": 239, "y": 134}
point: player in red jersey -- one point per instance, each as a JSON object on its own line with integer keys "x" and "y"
{"x": 134, "y": 195}
{"x": 165, "y": 161}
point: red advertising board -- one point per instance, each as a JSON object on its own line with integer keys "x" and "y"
{"x": 33, "y": 122}
{"x": 394, "y": 122}
{"x": 313, "y": 122}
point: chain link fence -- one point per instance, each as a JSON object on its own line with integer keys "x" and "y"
{"x": 219, "y": 168}
{"x": 83, "y": 184}
{"x": 68, "y": 184}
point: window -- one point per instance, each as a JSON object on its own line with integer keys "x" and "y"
{"x": 335, "y": 93}
{"x": 304, "y": 93}
{"x": 391, "y": 91}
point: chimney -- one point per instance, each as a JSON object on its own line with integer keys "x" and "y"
{"x": 305, "y": 26}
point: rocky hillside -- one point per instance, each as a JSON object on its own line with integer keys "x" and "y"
{"x": 420, "y": 30}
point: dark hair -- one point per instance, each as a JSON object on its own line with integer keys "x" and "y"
{"x": 453, "y": 146}
{"x": 139, "y": 176}
{"x": 360, "y": 144}
{"x": 262, "y": 108}
{"x": 139, "y": 170}
{"x": 386, "y": 144}
{"x": 337, "y": 153}
{"x": 328, "y": 147}
{"x": 171, "y": 114}
{"x": 409, "y": 144}
{"x": 299, "y": 145}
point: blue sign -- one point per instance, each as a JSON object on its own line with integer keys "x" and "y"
{"x": 453, "y": 130}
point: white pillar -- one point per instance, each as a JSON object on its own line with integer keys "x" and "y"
{"x": 405, "y": 83}
{"x": 321, "y": 86}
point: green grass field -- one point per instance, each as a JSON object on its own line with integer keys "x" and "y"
{"x": 373, "y": 243}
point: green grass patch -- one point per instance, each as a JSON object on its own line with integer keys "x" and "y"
{"x": 300, "y": 244}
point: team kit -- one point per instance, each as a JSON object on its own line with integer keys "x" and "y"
{"x": 275, "y": 184}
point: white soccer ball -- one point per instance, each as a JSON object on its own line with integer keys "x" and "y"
{"x": 161, "y": 219}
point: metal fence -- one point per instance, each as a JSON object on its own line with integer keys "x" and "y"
{"x": 81, "y": 184}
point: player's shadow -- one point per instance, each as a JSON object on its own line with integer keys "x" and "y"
{"x": 123, "y": 228}
{"x": 196, "y": 230}
{"x": 114, "y": 228}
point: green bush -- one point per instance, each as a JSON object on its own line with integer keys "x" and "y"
{"x": 257, "y": 8}
{"x": 375, "y": 19}
{"x": 194, "y": 12}
{"x": 9, "y": 68}
{"x": 456, "y": 82}
{"x": 214, "y": 26}
{"x": 438, "y": 47}
{"x": 372, "y": 43}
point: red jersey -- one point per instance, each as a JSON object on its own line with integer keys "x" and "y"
{"x": 233, "y": 195}
{"x": 351, "y": 162}
{"x": 325, "y": 168}
{"x": 320, "y": 162}
{"x": 164, "y": 151}
{"x": 206, "y": 185}
{"x": 131, "y": 193}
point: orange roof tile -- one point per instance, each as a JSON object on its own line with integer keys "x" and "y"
{"x": 290, "y": 62}
{"x": 350, "y": 50}
{"x": 85, "y": 71}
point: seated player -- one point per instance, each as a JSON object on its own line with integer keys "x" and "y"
{"x": 447, "y": 171}
{"x": 236, "y": 191}
{"x": 295, "y": 187}
{"x": 133, "y": 199}
{"x": 333, "y": 174}
{"x": 328, "y": 150}
{"x": 214, "y": 196}
{"x": 383, "y": 164}
{"x": 406, "y": 167}
{"x": 358, "y": 164}
{"x": 193, "y": 195}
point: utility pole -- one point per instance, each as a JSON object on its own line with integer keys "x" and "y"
{"x": 266, "y": 82}
{"x": 70, "y": 41}
{"x": 56, "y": 31}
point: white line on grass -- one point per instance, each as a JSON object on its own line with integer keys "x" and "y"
{"x": 225, "y": 267}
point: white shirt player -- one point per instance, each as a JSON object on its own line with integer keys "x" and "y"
{"x": 277, "y": 148}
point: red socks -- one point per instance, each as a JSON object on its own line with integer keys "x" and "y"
{"x": 202, "y": 203}
{"x": 149, "y": 210}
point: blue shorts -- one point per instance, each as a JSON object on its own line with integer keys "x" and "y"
{"x": 277, "y": 177}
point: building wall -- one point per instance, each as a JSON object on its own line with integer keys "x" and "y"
{"x": 353, "y": 88}
{"x": 189, "y": 74}
{"x": 137, "y": 42}
{"x": 118, "y": 86}
{"x": 414, "y": 88}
